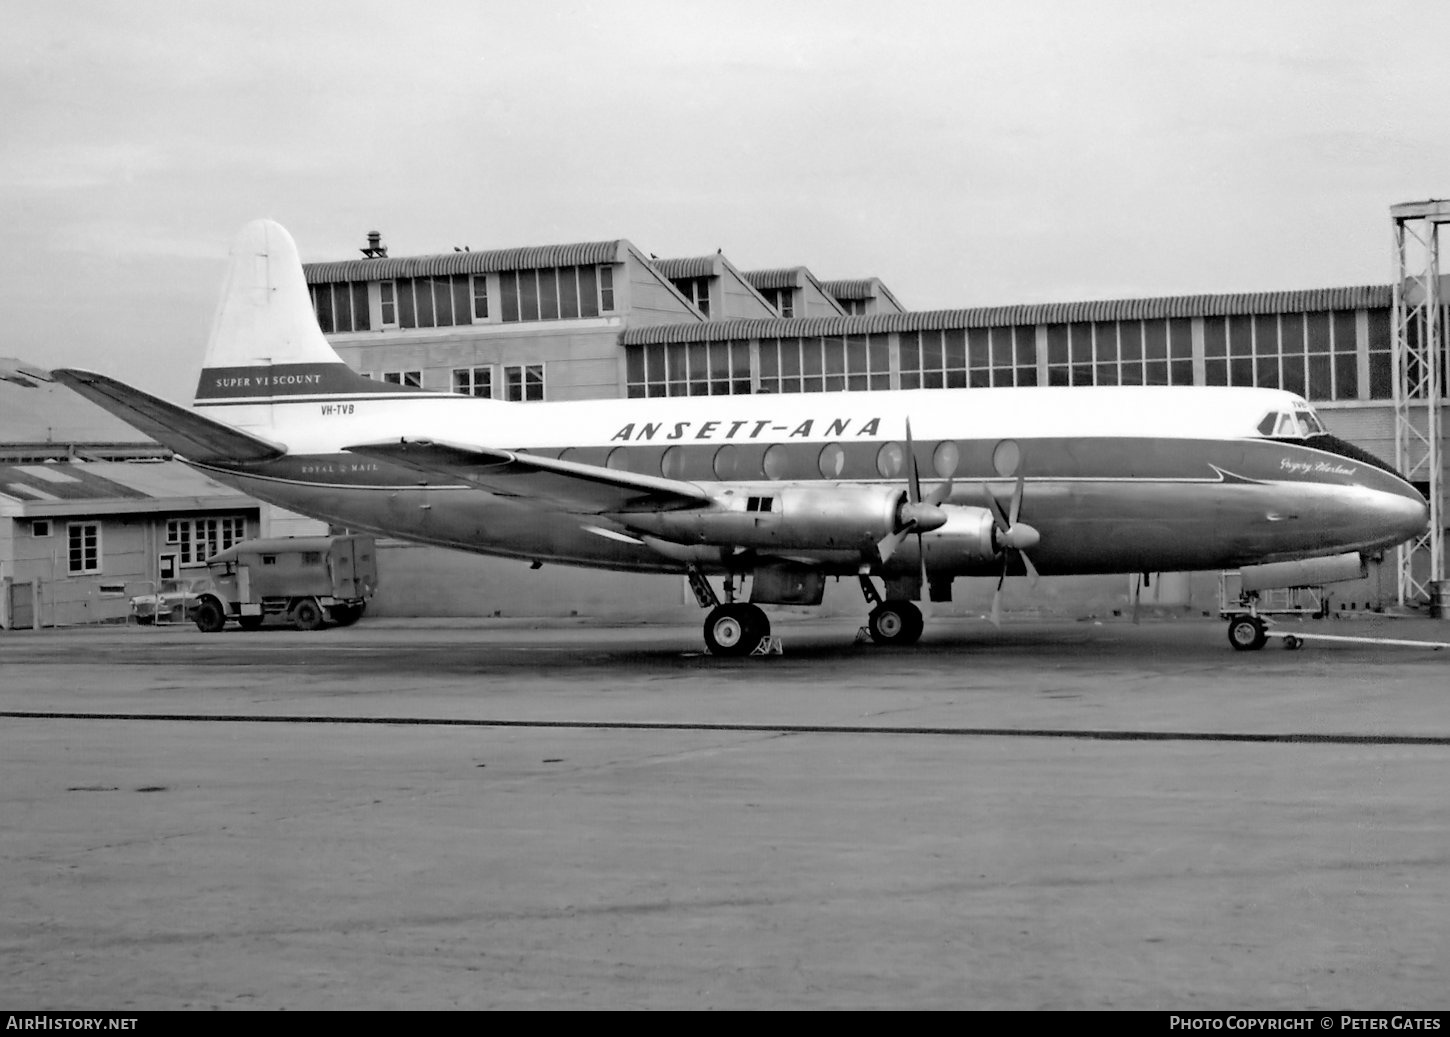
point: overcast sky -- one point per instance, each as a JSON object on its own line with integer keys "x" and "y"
{"x": 967, "y": 153}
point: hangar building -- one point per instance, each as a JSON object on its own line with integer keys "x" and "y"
{"x": 606, "y": 319}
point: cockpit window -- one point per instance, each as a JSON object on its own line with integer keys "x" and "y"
{"x": 1309, "y": 421}
{"x": 1299, "y": 423}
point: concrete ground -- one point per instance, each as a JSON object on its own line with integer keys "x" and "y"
{"x": 495, "y": 815}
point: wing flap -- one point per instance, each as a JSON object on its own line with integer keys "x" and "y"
{"x": 576, "y": 487}
{"x": 191, "y": 435}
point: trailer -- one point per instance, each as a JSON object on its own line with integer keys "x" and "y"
{"x": 309, "y": 581}
{"x": 1249, "y": 597}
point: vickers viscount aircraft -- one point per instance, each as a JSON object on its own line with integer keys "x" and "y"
{"x": 912, "y": 488}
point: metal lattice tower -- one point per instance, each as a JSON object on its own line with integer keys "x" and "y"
{"x": 1419, "y": 372}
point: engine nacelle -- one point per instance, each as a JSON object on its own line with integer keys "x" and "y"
{"x": 967, "y": 543}
{"x": 855, "y": 518}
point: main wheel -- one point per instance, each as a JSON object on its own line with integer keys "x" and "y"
{"x": 895, "y": 623}
{"x": 209, "y": 617}
{"x": 307, "y": 615}
{"x": 1246, "y": 633}
{"x": 735, "y": 629}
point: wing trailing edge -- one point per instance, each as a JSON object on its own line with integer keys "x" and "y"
{"x": 189, "y": 434}
{"x": 568, "y": 484}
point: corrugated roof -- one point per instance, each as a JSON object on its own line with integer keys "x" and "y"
{"x": 586, "y": 253}
{"x": 690, "y": 266}
{"x": 863, "y": 288}
{"x": 1362, "y": 297}
{"x": 783, "y": 277}
{"x": 111, "y": 487}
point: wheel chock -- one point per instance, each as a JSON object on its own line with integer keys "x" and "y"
{"x": 768, "y": 646}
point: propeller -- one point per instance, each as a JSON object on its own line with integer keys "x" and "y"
{"x": 917, "y": 514}
{"x": 1010, "y": 535}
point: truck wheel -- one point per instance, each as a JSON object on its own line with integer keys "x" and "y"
{"x": 346, "y": 615}
{"x": 307, "y": 615}
{"x": 209, "y": 617}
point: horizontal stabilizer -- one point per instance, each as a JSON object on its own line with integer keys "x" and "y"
{"x": 568, "y": 484}
{"x": 194, "y": 437}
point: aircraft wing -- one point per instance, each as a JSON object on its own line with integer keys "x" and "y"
{"x": 573, "y": 486}
{"x": 191, "y": 435}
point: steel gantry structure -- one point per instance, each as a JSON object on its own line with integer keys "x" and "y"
{"x": 1419, "y": 385}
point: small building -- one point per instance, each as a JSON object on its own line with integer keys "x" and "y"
{"x": 92, "y": 512}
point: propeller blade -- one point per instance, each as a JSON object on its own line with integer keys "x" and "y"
{"x": 925, "y": 585}
{"x": 1017, "y": 498}
{"x": 888, "y": 544}
{"x": 996, "y": 615}
{"x": 1031, "y": 569}
{"x": 913, "y": 483}
{"x": 996, "y": 509}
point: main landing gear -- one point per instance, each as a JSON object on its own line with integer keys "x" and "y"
{"x": 735, "y": 628}
{"x": 891, "y": 622}
{"x": 732, "y": 628}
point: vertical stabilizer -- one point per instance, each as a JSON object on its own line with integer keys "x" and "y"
{"x": 265, "y": 343}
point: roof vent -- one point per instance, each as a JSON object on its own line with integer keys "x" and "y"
{"x": 376, "y": 249}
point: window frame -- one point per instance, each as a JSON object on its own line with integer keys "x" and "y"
{"x": 519, "y": 376}
{"x": 89, "y": 553}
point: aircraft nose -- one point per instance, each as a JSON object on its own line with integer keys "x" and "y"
{"x": 1406, "y": 516}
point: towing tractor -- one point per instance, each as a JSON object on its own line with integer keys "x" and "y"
{"x": 308, "y": 581}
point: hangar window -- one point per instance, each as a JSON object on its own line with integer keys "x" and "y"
{"x": 555, "y": 293}
{"x": 473, "y": 381}
{"x": 1381, "y": 369}
{"x": 84, "y": 555}
{"x": 976, "y": 357}
{"x": 434, "y": 302}
{"x": 825, "y": 364}
{"x": 688, "y": 369}
{"x": 480, "y": 297}
{"x": 524, "y": 383}
{"x": 410, "y": 379}
{"x": 388, "y": 303}
{"x": 696, "y": 290}
{"x": 341, "y": 307}
{"x": 782, "y": 299}
{"x": 40, "y": 527}
{"x": 1311, "y": 353}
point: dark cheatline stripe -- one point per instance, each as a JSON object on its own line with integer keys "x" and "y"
{"x": 280, "y": 380}
{"x": 1043, "y": 461}
{"x": 1293, "y": 738}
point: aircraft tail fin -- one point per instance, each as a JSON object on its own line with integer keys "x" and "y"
{"x": 192, "y": 435}
{"x": 265, "y": 343}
